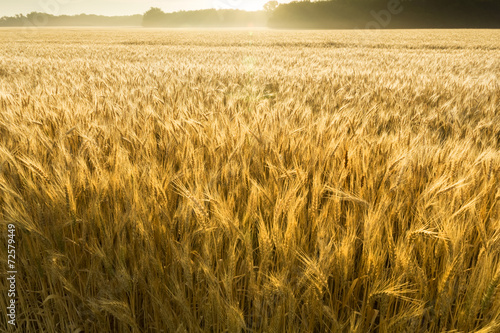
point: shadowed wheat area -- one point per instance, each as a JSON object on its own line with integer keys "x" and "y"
{"x": 251, "y": 181}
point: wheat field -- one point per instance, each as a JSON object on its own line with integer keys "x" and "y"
{"x": 251, "y": 180}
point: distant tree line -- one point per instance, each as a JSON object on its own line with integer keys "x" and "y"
{"x": 155, "y": 17}
{"x": 330, "y": 14}
{"x": 42, "y": 19}
{"x": 370, "y": 14}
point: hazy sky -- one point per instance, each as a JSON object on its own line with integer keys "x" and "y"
{"x": 118, "y": 7}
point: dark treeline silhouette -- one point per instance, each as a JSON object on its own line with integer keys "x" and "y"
{"x": 155, "y": 17}
{"x": 373, "y": 14}
{"x": 331, "y": 14}
{"x": 42, "y": 19}
{"x": 152, "y": 18}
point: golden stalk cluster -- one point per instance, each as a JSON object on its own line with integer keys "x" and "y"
{"x": 217, "y": 181}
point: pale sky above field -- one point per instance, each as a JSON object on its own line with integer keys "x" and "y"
{"x": 119, "y": 7}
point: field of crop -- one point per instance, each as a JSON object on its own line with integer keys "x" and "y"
{"x": 251, "y": 181}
